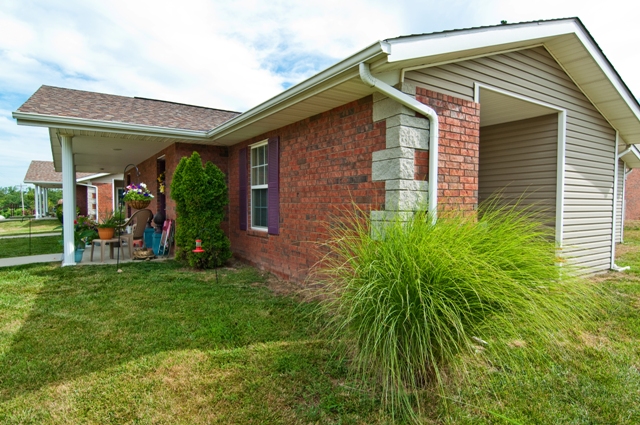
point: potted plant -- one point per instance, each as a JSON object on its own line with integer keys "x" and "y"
{"x": 137, "y": 196}
{"x": 107, "y": 225}
{"x": 83, "y": 233}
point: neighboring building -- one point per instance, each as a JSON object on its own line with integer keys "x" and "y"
{"x": 632, "y": 196}
{"x": 445, "y": 118}
{"x": 94, "y": 192}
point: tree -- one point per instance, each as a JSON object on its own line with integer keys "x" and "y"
{"x": 201, "y": 195}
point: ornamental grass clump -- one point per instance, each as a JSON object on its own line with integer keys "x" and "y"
{"x": 414, "y": 301}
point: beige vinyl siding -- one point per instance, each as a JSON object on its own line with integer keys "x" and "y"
{"x": 518, "y": 160}
{"x": 590, "y": 140}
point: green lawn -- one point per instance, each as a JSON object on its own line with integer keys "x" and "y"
{"x": 17, "y": 227}
{"x": 159, "y": 344}
{"x": 19, "y": 247}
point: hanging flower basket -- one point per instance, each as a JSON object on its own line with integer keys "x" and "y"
{"x": 137, "y": 196}
{"x": 139, "y": 204}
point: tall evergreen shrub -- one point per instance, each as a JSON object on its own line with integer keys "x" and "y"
{"x": 201, "y": 195}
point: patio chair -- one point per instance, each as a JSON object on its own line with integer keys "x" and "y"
{"x": 138, "y": 221}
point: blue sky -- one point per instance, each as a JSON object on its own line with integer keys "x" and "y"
{"x": 234, "y": 54}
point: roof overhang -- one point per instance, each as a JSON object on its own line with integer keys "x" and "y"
{"x": 631, "y": 157}
{"x": 567, "y": 40}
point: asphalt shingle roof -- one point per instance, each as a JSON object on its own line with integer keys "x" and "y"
{"x": 70, "y": 103}
{"x": 43, "y": 171}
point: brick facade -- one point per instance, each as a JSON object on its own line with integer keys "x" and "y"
{"x": 632, "y": 196}
{"x": 458, "y": 153}
{"x": 105, "y": 196}
{"x": 325, "y": 165}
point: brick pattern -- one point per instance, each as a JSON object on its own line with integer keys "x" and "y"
{"x": 632, "y": 196}
{"x": 105, "y": 196}
{"x": 458, "y": 153}
{"x": 325, "y": 165}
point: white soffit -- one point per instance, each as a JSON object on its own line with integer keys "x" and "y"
{"x": 498, "y": 108}
{"x": 632, "y": 158}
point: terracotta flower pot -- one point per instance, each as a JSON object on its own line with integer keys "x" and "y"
{"x": 106, "y": 232}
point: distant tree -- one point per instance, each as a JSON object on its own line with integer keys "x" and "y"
{"x": 200, "y": 194}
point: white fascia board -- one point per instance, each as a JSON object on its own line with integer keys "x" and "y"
{"x": 458, "y": 41}
{"x": 41, "y": 120}
{"x": 92, "y": 177}
{"x": 304, "y": 90}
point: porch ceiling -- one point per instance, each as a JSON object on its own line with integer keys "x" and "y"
{"x": 106, "y": 152}
{"x": 498, "y": 108}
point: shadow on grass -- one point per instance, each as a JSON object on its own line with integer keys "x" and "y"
{"x": 89, "y": 319}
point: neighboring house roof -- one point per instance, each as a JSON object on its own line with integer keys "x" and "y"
{"x": 61, "y": 102}
{"x": 43, "y": 173}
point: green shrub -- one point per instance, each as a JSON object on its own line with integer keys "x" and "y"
{"x": 415, "y": 300}
{"x": 201, "y": 195}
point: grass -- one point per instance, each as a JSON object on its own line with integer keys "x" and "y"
{"x": 17, "y": 227}
{"x": 416, "y": 300}
{"x": 158, "y": 344}
{"x": 19, "y": 247}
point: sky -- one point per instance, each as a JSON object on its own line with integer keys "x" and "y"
{"x": 235, "y": 54}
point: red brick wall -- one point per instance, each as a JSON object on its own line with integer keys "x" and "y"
{"x": 105, "y": 196}
{"x": 632, "y": 196}
{"x": 325, "y": 165}
{"x": 458, "y": 152}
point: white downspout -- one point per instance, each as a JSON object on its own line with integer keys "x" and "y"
{"x": 616, "y": 170}
{"x": 421, "y": 108}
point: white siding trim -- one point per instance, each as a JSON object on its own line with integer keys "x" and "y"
{"x": 561, "y": 158}
{"x": 562, "y": 140}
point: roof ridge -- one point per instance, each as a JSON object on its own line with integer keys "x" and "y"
{"x": 185, "y": 104}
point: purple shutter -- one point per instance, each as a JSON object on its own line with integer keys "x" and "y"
{"x": 243, "y": 180}
{"x": 273, "y": 195}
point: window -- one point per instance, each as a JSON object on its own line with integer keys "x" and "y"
{"x": 259, "y": 173}
{"x": 259, "y": 185}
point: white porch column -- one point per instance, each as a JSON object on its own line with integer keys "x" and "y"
{"x": 45, "y": 197}
{"x": 69, "y": 196}
{"x": 36, "y": 200}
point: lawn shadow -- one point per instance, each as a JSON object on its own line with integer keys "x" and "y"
{"x": 88, "y": 319}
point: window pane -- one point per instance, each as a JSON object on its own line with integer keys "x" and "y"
{"x": 259, "y": 207}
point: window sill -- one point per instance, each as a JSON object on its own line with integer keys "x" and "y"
{"x": 258, "y": 233}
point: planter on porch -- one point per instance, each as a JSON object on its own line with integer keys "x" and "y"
{"x": 106, "y": 232}
{"x": 79, "y": 252}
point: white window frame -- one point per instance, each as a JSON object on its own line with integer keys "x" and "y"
{"x": 252, "y": 187}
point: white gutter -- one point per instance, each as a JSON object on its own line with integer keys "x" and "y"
{"x": 421, "y": 108}
{"x": 617, "y": 157}
{"x": 41, "y": 120}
